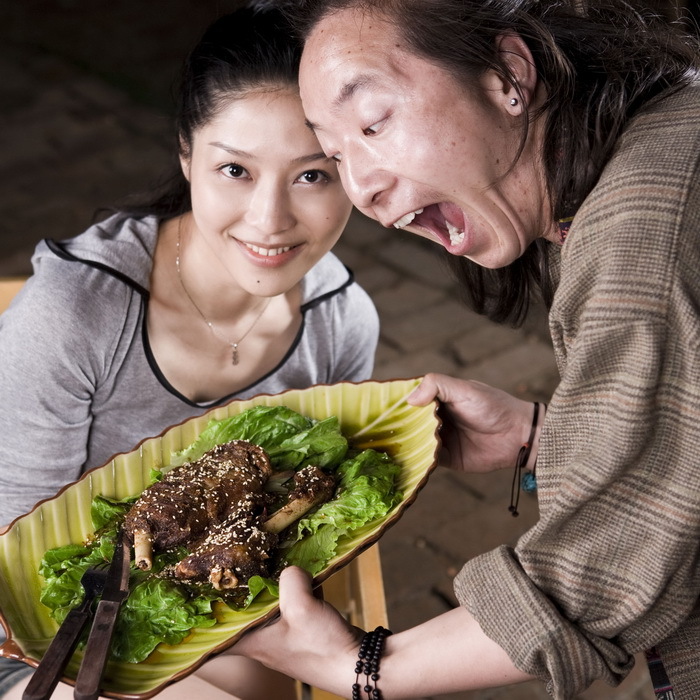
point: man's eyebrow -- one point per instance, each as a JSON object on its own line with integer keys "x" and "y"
{"x": 351, "y": 87}
{"x": 346, "y": 92}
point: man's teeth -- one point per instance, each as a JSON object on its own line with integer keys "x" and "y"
{"x": 406, "y": 219}
{"x": 269, "y": 252}
{"x": 456, "y": 236}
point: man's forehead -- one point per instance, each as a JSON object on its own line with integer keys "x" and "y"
{"x": 348, "y": 35}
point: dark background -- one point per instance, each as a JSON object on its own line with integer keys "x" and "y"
{"x": 85, "y": 106}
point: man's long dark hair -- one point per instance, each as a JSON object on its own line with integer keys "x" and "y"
{"x": 599, "y": 61}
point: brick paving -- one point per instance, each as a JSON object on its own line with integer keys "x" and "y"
{"x": 85, "y": 121}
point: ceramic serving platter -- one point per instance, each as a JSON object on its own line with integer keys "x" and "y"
{"x": 371, "y": 414}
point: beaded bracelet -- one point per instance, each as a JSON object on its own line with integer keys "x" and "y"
{"x": 520, "y": 462}
{"x": 371, "y": 648}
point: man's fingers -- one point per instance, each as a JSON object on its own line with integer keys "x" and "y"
{"x": 295, "y": 590}
{"x": 425, "y": 392}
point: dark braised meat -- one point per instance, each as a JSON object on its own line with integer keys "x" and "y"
{"x": 241, "y": 546}
{"x": 312, "y": 486}
{"x": 234, "y": 550}
{"x": 217, "y": 508}
{"x": 192, "y": 499}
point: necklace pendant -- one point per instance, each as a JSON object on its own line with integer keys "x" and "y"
{"x": 234, "y": 353}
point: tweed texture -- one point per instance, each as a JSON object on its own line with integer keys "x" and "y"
{"x": 613, "y": 565}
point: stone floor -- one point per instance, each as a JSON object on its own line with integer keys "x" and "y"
{"x": 85, "y": 121}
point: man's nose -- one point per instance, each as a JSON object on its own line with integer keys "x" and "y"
{"x": 364, "y": 180}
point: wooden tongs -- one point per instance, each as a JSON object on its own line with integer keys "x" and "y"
{"x": 113, "y": 585}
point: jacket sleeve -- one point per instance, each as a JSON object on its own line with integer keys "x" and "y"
{"x": 54, "y": 351}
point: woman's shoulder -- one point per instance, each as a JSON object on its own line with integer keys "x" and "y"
{"x": 329, "y": 279}
{"x": 80, "y": 282}
{"x": 121, "y": 246}
{"x": 333, "y": 298}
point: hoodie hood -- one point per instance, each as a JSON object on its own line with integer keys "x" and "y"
{"x": 121, "y": 245}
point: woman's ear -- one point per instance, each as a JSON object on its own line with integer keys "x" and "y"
{"x": 185, "y": 157}
{"x": 517, "y": 57}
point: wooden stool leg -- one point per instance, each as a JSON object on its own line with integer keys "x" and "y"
{"x": 357, "y": 592}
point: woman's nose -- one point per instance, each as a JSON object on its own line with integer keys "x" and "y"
{"x": 270, "y": 208}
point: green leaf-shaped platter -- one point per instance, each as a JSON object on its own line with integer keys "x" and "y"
{"x": 372, "y": 414}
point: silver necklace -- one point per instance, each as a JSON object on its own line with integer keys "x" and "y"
{"x": 233, "y": 345}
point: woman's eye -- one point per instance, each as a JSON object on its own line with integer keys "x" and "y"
{"x": 312, "y": 177}
{"x": 234, "y": 170}
{"x": 374, "y": 128}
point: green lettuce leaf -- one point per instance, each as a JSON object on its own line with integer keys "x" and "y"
{"x": 366, "y": 491}
{"x": 105, "y": 511}
{"x": 63, "y": 567}
{"x": 267, "y": 426}
{"x": 322, "y": 444}
{"x": 157, "y": 610}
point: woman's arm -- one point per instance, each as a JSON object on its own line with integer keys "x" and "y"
{"x": 47, "y": 378}
{"x": 313, "y": 643}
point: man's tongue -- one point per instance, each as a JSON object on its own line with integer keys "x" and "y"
{"x": 452, "y": 215}
{"x": 445, "y": 220}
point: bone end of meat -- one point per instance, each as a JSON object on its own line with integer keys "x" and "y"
{"x": 143, "y": 550}
{"x": 222, "y": 578}
{"x": 312, "y": 486}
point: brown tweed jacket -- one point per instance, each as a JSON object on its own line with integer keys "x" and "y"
{"x": 613, "y": 565}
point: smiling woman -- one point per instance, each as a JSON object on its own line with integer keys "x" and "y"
{"x": 220, "y": 285}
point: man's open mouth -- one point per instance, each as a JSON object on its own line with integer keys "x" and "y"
{"x": 445, "y": 221}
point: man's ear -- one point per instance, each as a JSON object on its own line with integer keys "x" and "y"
{"x": 516, "y": 55}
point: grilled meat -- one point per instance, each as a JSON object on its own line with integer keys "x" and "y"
{"x": 191, "y": 499}
{"x": 233, "y": 550}
{"x": 217, "y": 508}
{"x": 312, "y": 486}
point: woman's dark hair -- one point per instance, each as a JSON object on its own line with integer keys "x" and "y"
{"x": 248, "y": 50}
{"x": 599, "y": 61}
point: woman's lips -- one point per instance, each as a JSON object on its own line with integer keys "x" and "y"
{"x": 269, "y": 256}
{"x": 268, "y": 252}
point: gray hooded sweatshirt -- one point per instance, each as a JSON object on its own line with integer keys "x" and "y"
{"x": 78, "y": 380}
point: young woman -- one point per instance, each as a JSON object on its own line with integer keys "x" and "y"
{"x": 550, "y": 146}
{"x": 222, "y": 287}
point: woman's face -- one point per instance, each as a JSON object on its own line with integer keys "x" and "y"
{"x": 266, "y": 202}
{"x": 416, "y": 149}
